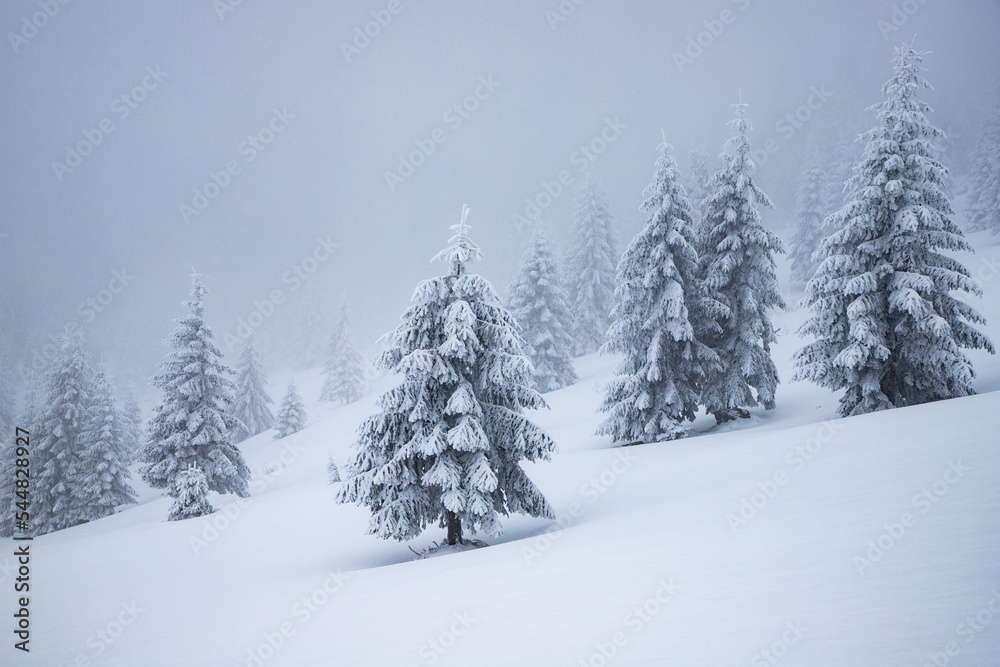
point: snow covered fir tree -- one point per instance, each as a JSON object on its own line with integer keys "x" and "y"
{"x": 192, "y": 495}
{"x": 134, "y": 427}
{"x": 889, "y": 331}
{"x": 984, "y": 188}
{"x": 104, "y": 481}
{"x": 697, "y": 183}
{"x": 332, "y": 472}
{"x": 590, "y": 267}
{"x": 291, "y": 414}
{"x": 28, "y": 420}
{"x": 193, "y": 423}
{"x": 445, "y": 445}
{"x": 658, "y": 383}
{"x": 538, "y": 303}
{"x": 343, "y": 366}
{"x": 251, "y": 400}
{"x": 739, "y": 272}
{"x": 811, "y": 210}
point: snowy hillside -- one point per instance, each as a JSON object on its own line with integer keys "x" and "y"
{"x": 790, "y": 538}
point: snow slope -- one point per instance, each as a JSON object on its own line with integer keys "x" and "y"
{"x": 646, "y": 563}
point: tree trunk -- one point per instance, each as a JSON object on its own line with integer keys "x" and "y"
{"x": 454, "y": 528}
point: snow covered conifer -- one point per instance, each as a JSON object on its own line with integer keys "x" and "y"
{"x": 537, "y": 302}
{"x": 738, "y": 269}
{"x": 102, "y": 480}
{"x": 132, "y": 414}
{"x": 888, "y": 329}
{"x": 591, "y": 269}
{"x": 984, "y": 190}
{"x": 664, "y": 364}
{"x": 445, "y": 445}
{"x": 332, "y": 473}
{"x": 251, "y": 399}
{"x": 190, "y": 495}
{"x": 344, "y": 368}
{"x": 193, "y": 423}
{"x": 28, "y": 419}
{"x": 698, "y": 181}
{"x": 291, "y": 414}
{"x": 810, "y": 212}
{"x": 55, "y": 461}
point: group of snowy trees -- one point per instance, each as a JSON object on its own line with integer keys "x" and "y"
{"x": 691, "y": 320}
{"x": 81, "y": 442}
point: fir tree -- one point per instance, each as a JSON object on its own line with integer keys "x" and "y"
{"x": 591, "y": 265}
{"x": 445, "y": 446}
{"x": 251, "y": 409}
{"x": 291, "y": 415}
{"x": 190, "y": 495}
{"x": 132, "y": 414}
{"x": 810, "y": 212}
{"x": 55, "y": 461}
{"x": 984, "y": 190}
{"x": 698, "y": 182}
{"x": 344, "y": 368}
{"x": 192, "y": 424}
{"x": 8, "y": 395}
{"x": 332, "y": 473}
{"x": 102, "y": 480}
{"x": 538, "y": 304}
{"x": 888, "y": 330}
{"x": 738, "y": 269}
{"x": 663, "y": 367}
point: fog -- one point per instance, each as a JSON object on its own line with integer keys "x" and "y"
{"x": 243, "y": 140}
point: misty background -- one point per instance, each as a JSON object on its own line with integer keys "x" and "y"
{"x": 557, "y": 79}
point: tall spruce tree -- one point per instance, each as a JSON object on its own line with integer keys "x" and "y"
{"x": 103, "y": 482}
{"x": 811, "y": 209}
{"x": 251, "y": 401}
{"x": 344, "y": 368}
{"x": 888, "y": 329}
{"x": 193, "y": 423}
{"x": 984, "y": 189}
{"x": 659, "y": 295}
{"x": 697, "y": 183}
{"x": 538, "y": 303}
{"x": 739, "y": 272}
{"x": 444, "y": 447}
{"x": 55, "y": 461}
{"x": 132, "y": 414}
{"x": 291, "y": 414}
{"x": 591, "y": 264}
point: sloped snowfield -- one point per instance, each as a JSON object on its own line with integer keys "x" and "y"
{"x": 794, "y": 539}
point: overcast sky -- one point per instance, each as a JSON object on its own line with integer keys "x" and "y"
{"x": 332, "y": 112}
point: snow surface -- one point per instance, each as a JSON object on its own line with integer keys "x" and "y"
{"x": 641, "y": 526}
